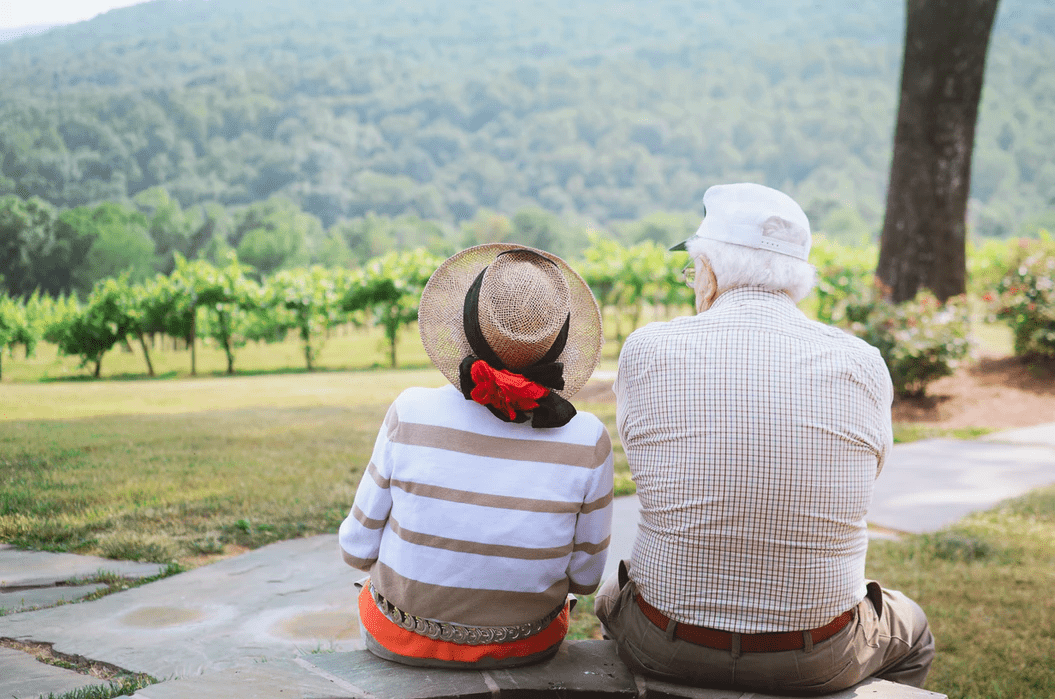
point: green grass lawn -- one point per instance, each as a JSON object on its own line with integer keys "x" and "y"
{"x": 985, "y": 584}
{"x": 173, "y": 469}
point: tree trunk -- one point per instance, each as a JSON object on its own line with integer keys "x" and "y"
{"x": 146, "y": 354}
{"x": 225, "y": 332}
{"x": 305, "y": 336}
{"x": 98, "y": 365}
{"x": 193, "y": 343}
{"x": 924, "y": 237}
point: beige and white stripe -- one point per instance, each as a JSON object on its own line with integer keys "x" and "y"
{"x": 461, "y": 517}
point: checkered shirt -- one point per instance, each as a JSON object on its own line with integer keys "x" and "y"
{"x": 754, "y": 436}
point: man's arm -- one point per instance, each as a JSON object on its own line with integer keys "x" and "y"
{"x": 886, "y": 428}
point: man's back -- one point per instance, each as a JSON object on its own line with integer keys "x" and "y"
{"x": 754, "y": 436}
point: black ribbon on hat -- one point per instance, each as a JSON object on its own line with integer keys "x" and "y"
{"x": 552, "y": 410}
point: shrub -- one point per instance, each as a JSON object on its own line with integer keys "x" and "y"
{"x": 843, "y": 272}
{"x": 1025, "y": 297}
{"x": 921, "y": 340}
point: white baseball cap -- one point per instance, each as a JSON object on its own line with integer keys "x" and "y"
{"x": 753, "y": 216}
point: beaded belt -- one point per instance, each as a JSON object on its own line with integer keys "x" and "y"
{"x": 461, "y": 634}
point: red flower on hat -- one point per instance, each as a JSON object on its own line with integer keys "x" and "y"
{"x": 504, "y": 390}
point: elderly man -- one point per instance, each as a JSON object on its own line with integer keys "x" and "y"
{"x": 754, "y": 436}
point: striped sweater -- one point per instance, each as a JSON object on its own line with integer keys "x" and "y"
{"x": 464, "y": 518}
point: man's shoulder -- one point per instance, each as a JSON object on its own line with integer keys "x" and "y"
{"x": 658, "y": 330}
{"x": 843, "y": 339}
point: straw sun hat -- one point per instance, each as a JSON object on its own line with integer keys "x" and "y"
{"x": 526, "y": 297}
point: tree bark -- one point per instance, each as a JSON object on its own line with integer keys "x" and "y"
{"x": 193, "y": 341}
{"x": 146, "y": 354}
{"x": 924, "y": 237}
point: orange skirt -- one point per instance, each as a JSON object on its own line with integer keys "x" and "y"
{"x": 400, "y": 641}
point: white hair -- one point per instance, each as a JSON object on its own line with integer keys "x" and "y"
{"x": 737, "y": 266}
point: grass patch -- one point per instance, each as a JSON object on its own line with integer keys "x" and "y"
{"x": 70, "y": 400}
{"x": 202, "y": 473}
{"x": 583, "y": 625}
{"x": 123, "y": 687}
{"x": 163, "y": 487}
{"x": 985, "y": 584}
{"x": 905, "y": 432}
{"x": 119, "y": 682}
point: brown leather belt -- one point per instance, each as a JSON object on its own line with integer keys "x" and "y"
{"x": 749, "y": 642}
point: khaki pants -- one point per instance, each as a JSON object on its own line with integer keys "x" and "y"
{"x": 888, "y": 638}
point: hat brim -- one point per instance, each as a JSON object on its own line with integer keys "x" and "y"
{"x": 677, "y": 247}
{"x": 443, "y": 300}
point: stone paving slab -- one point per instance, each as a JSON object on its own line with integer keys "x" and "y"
{"x": 280, "y": 601}
{"x": 24, "y": 677}
{"x": 274, "y": 679}
{"x": 1040, "y": 435}
{"x": 930, "y": 484}
{"x": 31, "y": 598}
{"x": 20, "y": 568}
{"x": 580, "y": 669}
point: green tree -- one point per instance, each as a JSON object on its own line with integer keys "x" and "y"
{"x": 101, "y": 323}
{"x": 486, "y": 227}
{"x": 275, "y": 234}
{"x": 36, "y": 250}
{"x": 600, "y": 269}
{"x": 229, "y": 297}
{"x": 390, "y": 287}
{"x": 537, "y": 228}
{"x": 16, "y": 328}
{"x": 366, "y": 237}
{"x": 120, "y": 243}
{"x": 627, "y": 280}
{"x": 181, "y": 298}
{"x": 312, "y": 298}
{"x": 663, "y": 228}
{"x": 170, "y": 227}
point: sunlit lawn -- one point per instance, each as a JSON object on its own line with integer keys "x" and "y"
{"x": 174, "y": 469}
{"x": 985, "y": 584}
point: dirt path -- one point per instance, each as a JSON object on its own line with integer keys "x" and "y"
{"x": 996, "y": 392}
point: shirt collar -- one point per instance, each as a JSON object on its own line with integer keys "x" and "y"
{"x": 752, "y": 295}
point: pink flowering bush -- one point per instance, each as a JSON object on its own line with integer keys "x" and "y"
{"x": 1025, "y": 297}
{"x": 921, "y": 340}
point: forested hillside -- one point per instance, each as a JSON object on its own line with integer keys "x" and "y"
{"x": 593, "y": 110}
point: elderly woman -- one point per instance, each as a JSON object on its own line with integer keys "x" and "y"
{"x": 488, "y": 501}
